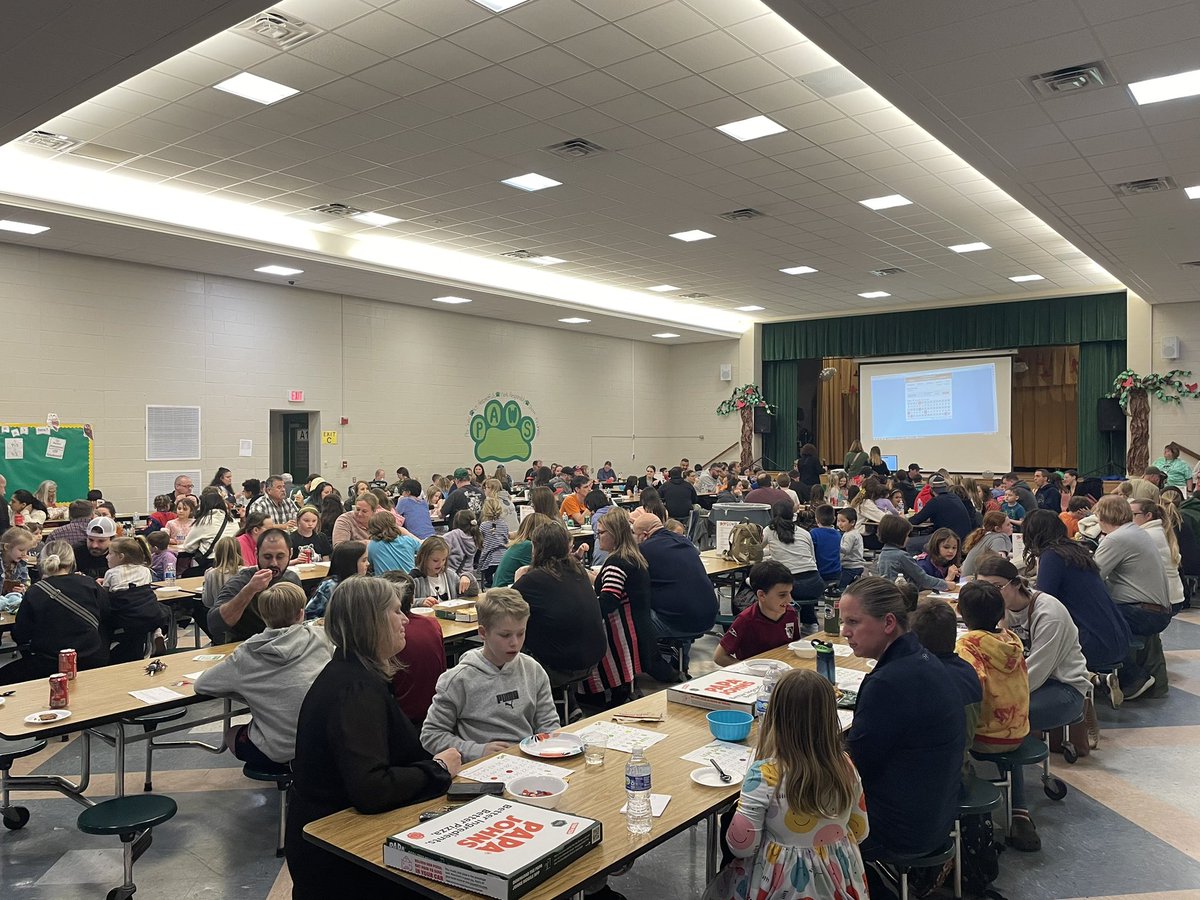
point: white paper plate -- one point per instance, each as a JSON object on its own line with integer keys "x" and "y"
{"x": 35, "y": 718}
{"x": 707, "y": 776}
{"x": 763, "y": 667}
{"x": 422, "y": 611}
{"x": 554, "y": 745}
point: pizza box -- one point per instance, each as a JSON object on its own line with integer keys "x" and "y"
{"x": 722, "y": 689}
{"x": 466, "y": 614}
{"x": 492, "y": 846}
{"x": 450, "y": 609}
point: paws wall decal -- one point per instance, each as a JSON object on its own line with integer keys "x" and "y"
{"x": 504, "y": 430}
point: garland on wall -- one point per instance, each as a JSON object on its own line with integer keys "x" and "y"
{"x": 1133, "y": 392}
{"x": 744, "y": 400}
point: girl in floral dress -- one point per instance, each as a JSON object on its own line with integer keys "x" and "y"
{"x": 801, "y": 815}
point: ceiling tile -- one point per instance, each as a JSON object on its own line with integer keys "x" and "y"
{"x": 496, "y": 40}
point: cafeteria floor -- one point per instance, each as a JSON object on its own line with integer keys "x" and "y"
{"x": 1128, "y": 828}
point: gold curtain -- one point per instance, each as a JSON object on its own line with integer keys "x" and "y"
{"x": 1045, "y": 408}
{"x": 837, "y": 410}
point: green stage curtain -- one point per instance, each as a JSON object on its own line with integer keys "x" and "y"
{"x": 781, "y": 388}
{"x": 1099, "y": 363}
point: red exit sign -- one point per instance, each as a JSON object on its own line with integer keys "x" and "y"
{"x": 295, "y": 396}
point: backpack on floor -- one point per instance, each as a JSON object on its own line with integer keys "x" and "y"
{"x": 746, "y": 543}
{"x": 980, "y": 856}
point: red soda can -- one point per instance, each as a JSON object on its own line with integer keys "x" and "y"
{"x": 59, "y": 698}
{"x": 68, "y": 663}
{"x": 306, "y": 555}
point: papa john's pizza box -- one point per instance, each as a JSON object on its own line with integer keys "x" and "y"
{"x": 721, "y": 689}
{"x": 492, "y": 846}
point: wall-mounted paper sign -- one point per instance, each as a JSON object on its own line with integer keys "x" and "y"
{"x": 14, "y": 448}
{"x": 245, "y": 448}
{"x": 55, "y": 447}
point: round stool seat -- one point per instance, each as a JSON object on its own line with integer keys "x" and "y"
{"x": 126, "y": 815}
{"x": 1029, "y": 752}
{"x": 10, "y": 750}
{"x": 980, "y": 796}
{"x": 905, "y": 861}
{"x": 256, "y": 773}
{"x": 156, "y": 717}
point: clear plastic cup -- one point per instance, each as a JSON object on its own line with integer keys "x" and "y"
{"x": 595, "y": 745}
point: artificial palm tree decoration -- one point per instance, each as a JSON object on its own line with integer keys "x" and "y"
{"x": 744, "y": 401}
{"x": 1133, "y": 392}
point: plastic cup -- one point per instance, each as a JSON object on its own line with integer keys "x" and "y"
{"x": 595, "y": 745}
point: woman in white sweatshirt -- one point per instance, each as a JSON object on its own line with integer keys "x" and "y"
{"x": 1156, "y": 521}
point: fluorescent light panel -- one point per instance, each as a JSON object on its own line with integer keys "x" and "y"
{"x": 694, "y": 235}
{"x": 252, "y": 87}
{"x": 531, "y": 182}
{"x": 750, "y": 308}
{"x": 374, "y": 218}
{"x": 545, "y": 260}
{"x": 1020, "y": 278}
{"x": 891, "y": 200}
{"x": 279, "y": 270}
{"x": 663, "y": 288}
{"x": 22, "y": 227}
{"x": 798, "y": 270}
{"x": 499, "y": 6}
{"x": 1193, "y": 192}
{"x": 665, "y": 334}
{"x": 749, "y": 129}
{"x": 969, "y": 248}
{"x": 1169, "y": 87}
{"x": 874, "y": 295}
{"x": 575, "y": 320}
{"x": 451, "y": 300}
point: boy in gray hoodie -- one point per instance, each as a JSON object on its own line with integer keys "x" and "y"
{"x": 495, "y": 696}
{"x": 271, "y": 672}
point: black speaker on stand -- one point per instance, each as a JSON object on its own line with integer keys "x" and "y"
{"x": 1110, "y": 420}
{"x": 762, "y": 420}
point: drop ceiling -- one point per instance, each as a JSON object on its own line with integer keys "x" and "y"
{"x": 419, "y": 109}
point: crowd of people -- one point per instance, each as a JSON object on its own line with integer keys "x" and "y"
{"x": 349, "y": 684}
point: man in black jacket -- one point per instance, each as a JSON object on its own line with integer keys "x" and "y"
{"x": 1047, "y": 496}
{"x": 944, "y": 510}
{"x": 678, "y": 496}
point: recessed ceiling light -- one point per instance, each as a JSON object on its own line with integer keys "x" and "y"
{"x": 252, "y": 87}
{"x": 749, "y": 308}
{"x": 969, "y": 248}
{"x": 798, "y": 270}
{"x": 665, "y": 334}
{"x": 886, "y": 202}
{"x": 574, "y": 320}
{"x": 1169, "y": 87}
{"x": 22, "y": 227}
{"x": 279, "y": 270}
{"x": 749, "y": 129}
{"x": 662, "y": 288}
{"x": 545, "y": 260}
{"x": 531, "y": 182}
{"x": 374, "y": 218}
{"x": 499, "y": 5}
{"x": 451, "y": 300}
{"x": 1020, "y": 278}
{"x": 874, "y": 295}
{"x": 694, "y": 235}
{"x": 1193, "y": 192}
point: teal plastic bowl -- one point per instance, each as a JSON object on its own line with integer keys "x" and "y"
{"x": 729, "y": 724}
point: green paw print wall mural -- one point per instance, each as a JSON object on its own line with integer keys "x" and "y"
{"x": 502, "y": 432}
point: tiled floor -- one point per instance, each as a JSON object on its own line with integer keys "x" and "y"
{"x": 1129, "y": 828}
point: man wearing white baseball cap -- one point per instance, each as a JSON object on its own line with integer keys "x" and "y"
{"x": 91, "y": 557}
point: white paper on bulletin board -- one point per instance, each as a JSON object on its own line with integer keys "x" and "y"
{"x": 14, "y": 448}
{"x": 55, "y": 447}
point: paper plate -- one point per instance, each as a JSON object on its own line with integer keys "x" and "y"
{"x": 764, "y": 667}
{"x": 422, "y": 611}
{"x": 555, "y": 745}
{"x": 36, "y": 718}
{"x": 707, "y": 776}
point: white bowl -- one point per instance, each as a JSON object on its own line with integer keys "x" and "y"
{"x": 803, "y": 649}
{"x": 536, "y": 783}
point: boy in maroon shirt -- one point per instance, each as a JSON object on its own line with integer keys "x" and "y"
{"x": 771, "y": 622}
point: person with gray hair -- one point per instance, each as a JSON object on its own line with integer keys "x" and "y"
{"x": 275, "y": 503}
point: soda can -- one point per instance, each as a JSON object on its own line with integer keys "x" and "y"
{"x": 68, "y": 663}
{"x": 306, "y": 555}
{"x": 59, "y": 698}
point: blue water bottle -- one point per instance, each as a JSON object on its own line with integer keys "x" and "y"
{"x": 825, "y": 664}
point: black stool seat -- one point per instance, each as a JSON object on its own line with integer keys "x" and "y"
{"x": 907, "y": 861}
{"x": 10, "y": 750}
{"x": 126, "y": 815}
{"x": 980, "y": 796}
{"x": 1029, "y": 752}
{"x": 256, "y": 773}
{"x": 156, "y": 717}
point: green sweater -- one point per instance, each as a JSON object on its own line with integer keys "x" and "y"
{"x": 519, "y": 554}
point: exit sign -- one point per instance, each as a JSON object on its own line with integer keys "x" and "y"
{"x": 295, "y": 396}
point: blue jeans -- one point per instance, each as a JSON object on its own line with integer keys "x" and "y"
{"x": 849, "y": 576}
{"x": 1051, "y": 706}
{"x": 807, "y": 589}
{"x": 1142, "y": 623}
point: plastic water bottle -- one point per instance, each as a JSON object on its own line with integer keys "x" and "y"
{"x": 764, "y": 694}
{"x": 637, "y": 792}
{"x": 169, "y": 574}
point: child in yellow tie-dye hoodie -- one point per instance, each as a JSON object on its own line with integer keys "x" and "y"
{"x": 998, "y": 657}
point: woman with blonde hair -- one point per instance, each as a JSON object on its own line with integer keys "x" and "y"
{"x": 493, "y": 487}
{"x": 47, "y": 492}
{"x": 856, "y": 458}
{"x": 352, "y": 526}
{"x": 1160, "y": 522}
{"x": 354, "y": 744}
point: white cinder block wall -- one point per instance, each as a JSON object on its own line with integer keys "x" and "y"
{"x": 1169, "y": 422}
{"x": 95, "y": 340}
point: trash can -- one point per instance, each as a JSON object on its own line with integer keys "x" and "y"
{"x": 725, "y": 515}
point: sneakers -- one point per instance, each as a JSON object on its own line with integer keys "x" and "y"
{"x": 1024, "y": 836}
{"x": 1115, "y": 694}
{"x": 159, "y": 642}
{"x": 1140, "y": 689}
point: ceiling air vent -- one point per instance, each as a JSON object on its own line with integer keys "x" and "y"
{"x": 49, "y": 141}
{"x": 575, "y": 148}
{"x": 694, "y": 296}
{"x": 337, "y": 210}
{"x": 519, "y": 254}
{"x": 1072, "y": 80}
{"x": 1145, "y": 186}
{"x": 275, "y": 29}
{"x": 741, "y": 215}
{"x": 100, "y": 153}
{"x": 883, "y": 273}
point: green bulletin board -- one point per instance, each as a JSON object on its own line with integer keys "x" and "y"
{"x": 39, "y": 461}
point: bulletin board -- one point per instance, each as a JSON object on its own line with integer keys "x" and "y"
{"x": 37, "y": 458}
